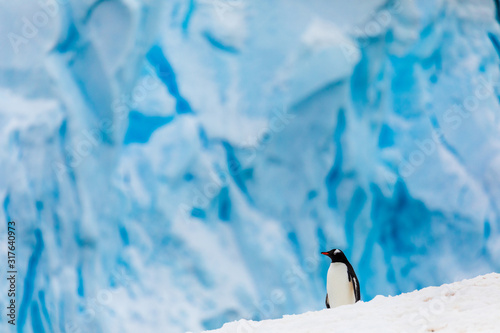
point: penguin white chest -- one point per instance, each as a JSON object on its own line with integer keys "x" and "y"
{"x": 339, "y": 288}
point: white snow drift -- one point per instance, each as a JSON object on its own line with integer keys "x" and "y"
{"x": 466, "y": 306}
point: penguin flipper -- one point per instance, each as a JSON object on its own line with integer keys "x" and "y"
{"x": 355, "y": 287}
{"x": 355, "y": 283}
{"x": 326, "y": 302}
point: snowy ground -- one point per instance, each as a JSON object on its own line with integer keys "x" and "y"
{"x": 466, "y": 306}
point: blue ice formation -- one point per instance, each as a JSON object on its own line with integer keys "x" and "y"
{"x": 174, "y": 165}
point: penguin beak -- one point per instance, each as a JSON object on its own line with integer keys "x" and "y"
{"x": 325, "y": 253}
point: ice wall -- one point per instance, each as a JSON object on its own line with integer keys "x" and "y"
{"x": 176, "y": 165}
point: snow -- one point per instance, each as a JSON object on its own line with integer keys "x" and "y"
{"x": 466, "y": 306}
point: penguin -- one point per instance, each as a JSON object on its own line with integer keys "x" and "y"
{"x": 342, "y": 285}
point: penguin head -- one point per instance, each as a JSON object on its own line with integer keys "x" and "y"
{"x": 336, "y": 255}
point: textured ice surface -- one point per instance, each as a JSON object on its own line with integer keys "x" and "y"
{"x": 174, "y": 165}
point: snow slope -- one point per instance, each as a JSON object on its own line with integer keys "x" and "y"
{"x": 467, "y": 306}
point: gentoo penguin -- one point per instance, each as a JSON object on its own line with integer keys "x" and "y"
{"x": 342, "y": 285}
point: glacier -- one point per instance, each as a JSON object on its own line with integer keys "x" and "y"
{"x": 172, "y": 166}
